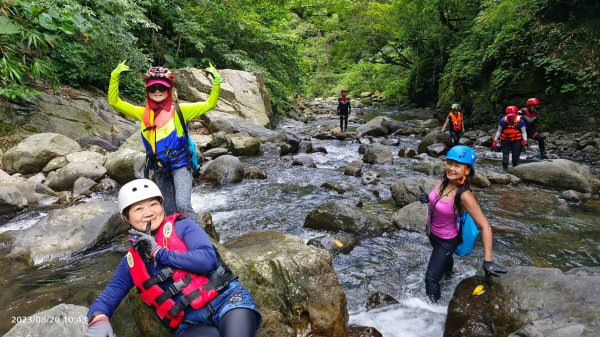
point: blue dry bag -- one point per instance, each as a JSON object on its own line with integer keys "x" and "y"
{"x": 194, "y": 157}
{"x": 469, "y": 232}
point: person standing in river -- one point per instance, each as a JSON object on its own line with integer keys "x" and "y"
{"x": 513, "y": 136}
{"x": 449, "y": 198}
{"x": 163, "y": 134}
{"x": 530, "y": 117}
{"x": 343, "y": 110}
{"x": 176, "y": 271}
{"x": 454, "y": 123}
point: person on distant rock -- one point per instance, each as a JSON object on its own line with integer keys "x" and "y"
{"x": 169, "y": 151}
{"x": 176, "y": 271}
{"x": 343, "y": 110}
{"x": 454, "y": 123}
{"x": 512, "y": 134}
{"x": 450, "y": 197}
{"x": 530, "y": 117}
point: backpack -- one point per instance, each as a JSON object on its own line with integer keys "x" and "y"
{"x": 193, "y": 162}
{"x": 469, "y": 232}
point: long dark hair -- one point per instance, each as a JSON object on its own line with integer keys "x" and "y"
{"x": 459, "y": 190}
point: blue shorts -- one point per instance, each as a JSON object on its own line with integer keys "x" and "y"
{"x": 233, "y": 297}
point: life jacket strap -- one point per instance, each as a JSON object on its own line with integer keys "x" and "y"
{"x": 219, "y": 278}
{"x": 174, "y": 289}
{"x": 164, "y": 274}
{"x": 183, "y": 303}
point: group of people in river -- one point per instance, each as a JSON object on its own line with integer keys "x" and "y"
{"x": 172, "y": 262}
{"x": 515, "y": 130}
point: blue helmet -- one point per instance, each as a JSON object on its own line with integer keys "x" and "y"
{"x": 462, "y": 154}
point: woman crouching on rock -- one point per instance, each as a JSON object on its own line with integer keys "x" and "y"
{"x": 177, "y": 272}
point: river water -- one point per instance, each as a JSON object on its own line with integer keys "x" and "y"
{"x": 532, "y": 227}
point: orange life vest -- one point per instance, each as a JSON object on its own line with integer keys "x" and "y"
{"x": 511, "y": 131}
{"x": 197, "y": 290}
{"x": 456, "y": 120}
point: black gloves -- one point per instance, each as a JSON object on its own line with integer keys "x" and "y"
{"x": 144, "y": 244}
{"x": 489, "y": 268}
{"x": 423, "y": 198}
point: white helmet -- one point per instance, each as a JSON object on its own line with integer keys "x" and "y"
{"x": 137, "y": 190}
{"x": 456, "y": 106}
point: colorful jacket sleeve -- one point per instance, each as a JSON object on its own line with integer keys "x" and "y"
{"x": 200, "y": 257}
{"x": 114, "y": 292}
{"x": 194, "y": 110}
{"x": 116, "y": 102}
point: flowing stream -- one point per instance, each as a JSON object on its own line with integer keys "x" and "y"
{"x": 533, "y": 227}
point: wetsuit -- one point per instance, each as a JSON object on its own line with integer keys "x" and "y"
{"x": 343, "y": 109}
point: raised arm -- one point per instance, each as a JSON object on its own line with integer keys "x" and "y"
{"x": 194, "y": 110}
{"x": 115, "y": 101}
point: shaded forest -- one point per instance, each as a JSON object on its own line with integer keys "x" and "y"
{"x": 484, "y": 54}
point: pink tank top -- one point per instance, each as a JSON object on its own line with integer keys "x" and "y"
{"x": 444, "y": 221}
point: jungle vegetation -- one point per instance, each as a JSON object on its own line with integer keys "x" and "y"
{"x": 484, "y": 54}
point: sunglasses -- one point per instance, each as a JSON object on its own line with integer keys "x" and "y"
{"x": 155, "y": 88}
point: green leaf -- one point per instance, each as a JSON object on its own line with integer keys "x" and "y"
{"x": 7, "y": 27}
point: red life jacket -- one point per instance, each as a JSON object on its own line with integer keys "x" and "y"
{"x": 511, "y": 131}
{"x": 196, "y": 289}
{"x": 456, "y": 120}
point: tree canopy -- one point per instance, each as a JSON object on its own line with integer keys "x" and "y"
{"x": 484, "y": 54}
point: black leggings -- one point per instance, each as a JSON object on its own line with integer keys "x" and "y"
{"x": 455, "y": 137}
{"x": 507, "y": 148}
{"x": 440, "y": 263}
{"x": 240, "y": 322}
{"x": 343, "y": 121}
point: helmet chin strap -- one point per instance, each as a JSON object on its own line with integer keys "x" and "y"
{"x": 148, "y": 225}
{"x": 462, "y": 180}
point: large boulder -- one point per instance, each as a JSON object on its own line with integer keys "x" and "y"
{"x": 308, "y": 297}
{"x": 242, "y": 144}
{"x": 11, "y": 199}
{"x": 63, "y": 178}
{"x": 377, "y": 154}
{"x": 33, "y": 153}
{"x": 125, "y": 165}
{"x": 377, "y": 127}
{"x": 561, "y": 174}
{"x": 435, "y": 136}
{"x": 411, "y": 217}
{"x": 242, "y": 93}
{"x": 224, "y": 169}
{"x": 528, "y": 301}
{"x": 228, "y": 123}
{"x": 77, "y": 114}
{"x": 406, "y": 190}
{"x": 340, "y": 216}
{"x": 64, "y": 232}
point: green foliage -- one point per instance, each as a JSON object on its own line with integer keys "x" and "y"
{"x": 516, "y": 50}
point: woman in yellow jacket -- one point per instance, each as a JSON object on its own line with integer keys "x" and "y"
{"x": 163, "y": 132}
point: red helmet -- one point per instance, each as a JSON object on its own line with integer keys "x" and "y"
{"x": 512, "y": 110}
{"x": 533, "y": 101}
{"x": 160, "y": 73}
